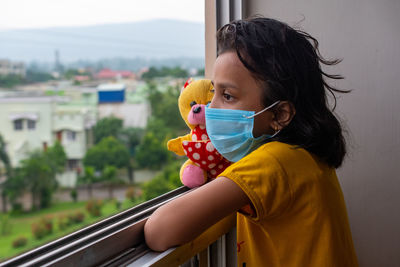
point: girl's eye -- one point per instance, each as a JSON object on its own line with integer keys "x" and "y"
{"x": 227, "y": 96}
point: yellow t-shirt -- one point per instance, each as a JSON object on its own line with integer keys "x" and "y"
{"x": 299, "y": 214}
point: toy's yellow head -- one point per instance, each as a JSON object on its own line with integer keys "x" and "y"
{"x": 194, "y": 96}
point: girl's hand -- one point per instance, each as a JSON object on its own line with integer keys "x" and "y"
{"x": 183, "y": 219}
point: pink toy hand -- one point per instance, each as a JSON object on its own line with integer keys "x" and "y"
{"x": 193, "y": 176}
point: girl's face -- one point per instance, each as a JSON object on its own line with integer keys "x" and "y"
{"x": 236, "y": 88}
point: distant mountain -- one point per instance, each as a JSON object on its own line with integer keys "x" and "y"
{"x": 136, "y": 64}
{"x": 133, "y": 64}
{"x": 154, "y": 39}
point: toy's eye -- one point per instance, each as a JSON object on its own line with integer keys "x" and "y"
{"x": 192, "y": 103}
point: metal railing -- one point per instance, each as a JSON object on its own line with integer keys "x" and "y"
{"x": 119, "y": 241}
{"x": 215, "y": 247}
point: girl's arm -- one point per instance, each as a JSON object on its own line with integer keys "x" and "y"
{"x": 183, "y": 219}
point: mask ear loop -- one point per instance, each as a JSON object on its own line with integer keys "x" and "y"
{"x": 275, "y": 134}
{"x": 271, "y": 106}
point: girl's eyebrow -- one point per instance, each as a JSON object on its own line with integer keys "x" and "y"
{"x": 225, "y": 85}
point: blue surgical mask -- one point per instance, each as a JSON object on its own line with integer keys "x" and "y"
{"x": 231, "y": 131}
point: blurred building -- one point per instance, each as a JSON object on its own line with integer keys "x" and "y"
{"x": 31, "y": 122}
{"x": 115, "y": 74}
{"x": 35, "y": 119}
{"x": 116, "y": 101}
{"x": 8, "y": 67}
{"x": 133, "y": 115}
{"x": 111, "y": 93}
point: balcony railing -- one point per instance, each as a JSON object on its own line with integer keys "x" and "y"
{"x": 119, "y": 241}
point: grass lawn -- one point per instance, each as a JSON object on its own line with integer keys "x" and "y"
{"x": 21, "y": 224}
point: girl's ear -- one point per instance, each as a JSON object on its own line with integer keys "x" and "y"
{"x": 283, "y": 115}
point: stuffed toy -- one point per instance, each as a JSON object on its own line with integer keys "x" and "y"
{"x": 204, "y": 163}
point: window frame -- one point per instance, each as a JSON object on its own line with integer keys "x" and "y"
{"x": 29, "y": 124}
{"x": 70, "y": 136}
{"x": 15, "y": 125}
{"x": 119, "y": 238}
{"x": 72, "y": 164}
{"x": 101, "y": 241}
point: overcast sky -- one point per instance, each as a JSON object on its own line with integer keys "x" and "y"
{"x": 17, "y": 14}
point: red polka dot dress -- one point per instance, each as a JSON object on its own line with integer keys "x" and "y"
{"x": 202, "y": 152}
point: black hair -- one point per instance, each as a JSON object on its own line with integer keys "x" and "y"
{"x": 287, "y": 63}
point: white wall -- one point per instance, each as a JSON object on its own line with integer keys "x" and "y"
{"x": 71, "y": 119}
{"x": 19, "y": 143}
{"x": 366, "y": 34}
{"x": 134, "y": 115}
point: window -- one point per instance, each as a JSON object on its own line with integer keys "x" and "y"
{"x": 89, "y": 54}
{"x": 18, "y": 125}
{"x": 71, "y": 135}
{"x": 31, "y": 125}
{"x": 72, "y": 164}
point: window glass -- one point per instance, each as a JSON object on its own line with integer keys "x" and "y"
{"x": 96, "y": 85}
{"x": 71, "y": 135}
{"x": 18, "y": 125}
{"x": 72, "y": 164}
{"x": 31, "y": 124}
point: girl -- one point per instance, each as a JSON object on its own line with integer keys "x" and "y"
{"x": 270, "y": 116}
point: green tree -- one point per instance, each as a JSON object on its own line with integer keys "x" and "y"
{"x": 56, "y": 157}
{"x": 4, "y": 158}
{"x": 109, "y": 175}
{"x": 37, "y": 174}
{"x": 36, "y": 76}
{"x": 166, "y": 181}
{"x": 154, "y": 95}
{"x": 171, "y": 173}
{"x": 9, "y": 81}
{"x": 88, "y": 178}
{"x": 110, "y": 152}
{"x": 165, "y": 110}
{"x": 71, "y": 73}
{"x": 74, "y": 194}
{"x": 105, "y": 127}
{"x": 176, "y": 72}
{"x": 14, "y": 186}
{"x": 152, "y": 152}
{"x": 39, "y": 178}
{"x": 165, "y": 123}
{"x": 131, "y": 138}
{"x": 152, "y": 73}
{"x": 155, "y": 187}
